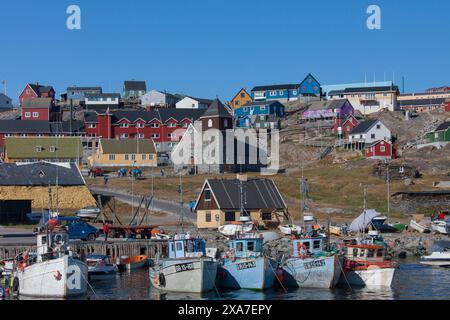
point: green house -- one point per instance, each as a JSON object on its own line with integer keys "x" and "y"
{"x": 441, "y": 134}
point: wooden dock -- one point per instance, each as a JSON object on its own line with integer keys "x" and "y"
{"x": 117, "y": 249}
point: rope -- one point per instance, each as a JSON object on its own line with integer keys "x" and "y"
{"x": 345, "y": 277}
{"x": 276, "y": 277}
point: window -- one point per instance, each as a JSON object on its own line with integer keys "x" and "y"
{"x": 27, "y": 114}
{"x": 140, "y": 136}
{"x": 179, "y": 246}
{"x": 378, "y": 126}
{"x": 154, "y": 125}
{"x": 362, "y": 253}
{"x": 239, "y": 246}
{"x": 133, "y": 157}
{"x": 266, "y": 216}
{"x": 92, "y": 125}
{"x": 372, "y": 136}
{"x": 273, "y": 93}
{"x": 38, "y": 149}
{"x": 172, "y": 125}
{"x": 124, "y": 125}
{"x": 124, "y": 136}
{"x": 294, "y": 92}
{"x": 251, "y": 246}
{"x": 379, "y": 252}
{"x": 370, "y": 253}
{"x": 171, "y": 135}
{"x": 230, "y": 216}
{"x": 112, "y": 157}
{"x": 172, "y": 144}
{"x": 155, "y": 135}
{"x": 52, "y": 149}
{"x": 207, "y": 195}
{"x": 242, "y": 95}
{"x": 383, "y": 149}
{"x": 208, "y": 216}
{"x": 27, "y": 91}
{"x": 281, "y": 92}
{"x": 140, "y": 125}
{"x": 360, "y": 136}
{"x": 210, "y": 123}
{"x": 355, "y": 252}
{"x": 225, "y": 123}
{"x": 150, "y": 157}
{"x": 24, "y": 135}
{"x": 8, "y": 135}
{"x": 127, "y": 157}
{"x": 316, "y": 244}
{"x": 35, "y": 114}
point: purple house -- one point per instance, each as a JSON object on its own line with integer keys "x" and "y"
{"x": 328, "y": 110}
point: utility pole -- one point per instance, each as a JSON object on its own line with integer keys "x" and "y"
{"x": 388, "y": 192}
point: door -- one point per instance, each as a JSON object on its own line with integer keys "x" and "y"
{"x": 179, "y": 249}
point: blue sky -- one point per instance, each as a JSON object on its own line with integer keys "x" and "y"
{"x": 209, "y": 47}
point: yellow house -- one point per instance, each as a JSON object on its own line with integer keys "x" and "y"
{"x": 240, "y": 99}
{"x": 124, "y": 153}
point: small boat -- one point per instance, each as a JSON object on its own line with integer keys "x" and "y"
{"x": 437, "y": 258}
{"x": 440, "y": 226}
{"x": 132, "y": 263}
{"x": 399, "y": 227}
{"x": 366, "y": 265}
{"x": 245, "y": 266}
{"x": 290, "y": 229}
{"x": 100, "y": 267}
{"x": 415, "y": 225}
{"x": 188, "y": 268}
{"x": 89, "y": 213}
{"x": 55, "y": 273}
{"x": 232, "y": 229}
{"x": 311, "y": 266}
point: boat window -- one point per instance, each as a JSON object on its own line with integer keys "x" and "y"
{"x": 370, "y": 253}
{"x": 362, "y": 252}
{"x": 179, "y": 246}
{"x": 355, "y": 252}
{"x": 239, "y": 246}
{"x": 316, "y": 244}
{"x": 172, "y": 246}
{"x": 251, "y": 246}
{"x": 379, "y": 252}
{"x": 307, "y": 245}
{"x": 189, "y": 246}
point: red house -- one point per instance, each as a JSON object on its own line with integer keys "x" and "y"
{"x": 447, "y": 105}
{"x": 32, "y": 91}
{"x": 344, "y": 127}
{"x": 380, "y": 149}
{"x": 40, "y": 109}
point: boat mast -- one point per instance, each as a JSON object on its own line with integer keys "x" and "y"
{"x": 388, "y": 193}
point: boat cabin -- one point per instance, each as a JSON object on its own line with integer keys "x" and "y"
{"x": 365, "y": 252}
{"x": 52, "y": 245}
{"x": 186, "y": 248}
{"x": 247, "y": 247}
{"x": 312, "y": 246}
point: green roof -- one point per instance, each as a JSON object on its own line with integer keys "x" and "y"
{"x": 43, "y": 147}
{"x": 127, "y": 146}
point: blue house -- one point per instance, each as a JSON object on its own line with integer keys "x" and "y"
{"x": 288, "y": 92}
{"x": 259, "y": 114}
{"x": 78, "y": 94}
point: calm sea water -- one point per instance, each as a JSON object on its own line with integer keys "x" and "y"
{"x": 411, "y": 281}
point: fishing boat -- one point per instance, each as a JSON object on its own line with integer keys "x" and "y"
{"x": 100, "y": 267}
{"x": 232, "y": 229}
{"x": 89, "y": 213}
{"x": 420, "y": 227}
{"x": 187, "y": 269}
{"x": 437, "y": 258}
{"x": 440, "y": 226}
{"x": 56, "y": 273}
{"x": 290, "y": 229}
{"x": 366, "y": 264}
{"x": 311, "y": 266}
{"x": 132, "y": 263}
{"x": 244, "y": 265}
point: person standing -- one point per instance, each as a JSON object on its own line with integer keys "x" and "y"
{"x": 106, "y": 231}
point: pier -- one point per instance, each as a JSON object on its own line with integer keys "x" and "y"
{"x": 150, "y": 248}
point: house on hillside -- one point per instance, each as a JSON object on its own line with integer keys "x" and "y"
{"x": 155, "y": 98}
{"x": 50, "y": 149}
{"x": 422, "y": 105}
{"x": 193, "y": 103}
{"x": 240, "y": 99}
{"x": 440, "y": 136}
{"x": 40, "y": 109}
{"x": 259, "y": 115}
{"x": 343, "y": 127}
{"x": 33, "y": 181}
{"x": 380, "y": 149}
{"x": 370, "y": 131}
{"x": 32, "y": 91}
{"x": 327, "y": 110}
{"x": 219, "y": 203}
{"x": 124, "y": 153}
{"x": 78, "y": 94}
{"x": 102, "y": 101}
{"x": 134, "y": 90}
{"x": 5, "y": 102}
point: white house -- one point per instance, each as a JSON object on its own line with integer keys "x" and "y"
{"x": 158, "y": 98}
{"x": 102, "y": 100}
{"x": 370, "y": 131}
{"x": 193, "y": 103}
{"x": 5, "y": 101}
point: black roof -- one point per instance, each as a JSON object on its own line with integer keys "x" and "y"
{"x": 363, "y": 90}
{"x": 260, "y": 103}
{"x": 276, "y": 87}
{"x": 216, "y": 109}
{"x": 259, "y": 194}
{"x": 443, "y": 126}
{"x": 64, "y": 127}
{"x": 24, "y": 126}
{"x": 103, "y": 95}
{"x": 90, "y": 117}
{"x": 364, "y": 126}
{"x": 135, "y": 85}
{"x": 421, "y": 102}
{"x": 161, "y": 114}
{"x": 84, "y": 89}
{"x": 39, "y": 89}
{"x": 39, "y": 174}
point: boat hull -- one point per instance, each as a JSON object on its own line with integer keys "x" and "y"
{"x": 376, "y": 277}
{"x": 439, "y": 228}
{"x": 418, "y": 227}
{"x": 323, "y": 272}
{"x": 254, "y": 274}
{"x": 133, "y": 263}
{"x": 58, "y": 278}
{"x": 435, "y": 262}
{"x": 195, "y": 275}
{"x": 103, "y": 273}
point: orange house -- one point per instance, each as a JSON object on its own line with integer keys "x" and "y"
{"x": 240, "y": 99}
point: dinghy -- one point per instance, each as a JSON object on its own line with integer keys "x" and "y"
{"x": 132, "y": 263}
{"x": 232, "y": 229}
{"x": 440, "y": 259}
{"x": 89, "y": 213}
{"x": 100, "y": 267}
{"x": 440, "y": 226}
{"x": 414, "y": 225}
{"x": 290, "y": 229}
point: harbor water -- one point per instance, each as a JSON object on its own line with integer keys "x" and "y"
{"x": 411, "y": 281}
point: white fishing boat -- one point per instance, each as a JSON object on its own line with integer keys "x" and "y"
{"x": 290, "y": 229}
{"x": 440, "y": 226}
{"x": 420, "y": 227}
{"x": 232, "y": 229}
{"x": 437, "y": 258}
{"x": 188, "y": 268}
{"x": 89, "y": 213}
{"x": 56, "y": 273}
{"x": 100, "y": 267}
